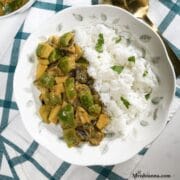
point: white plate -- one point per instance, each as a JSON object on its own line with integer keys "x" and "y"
{"x": 111, "y": 151}
{"x": 20, "y": 10}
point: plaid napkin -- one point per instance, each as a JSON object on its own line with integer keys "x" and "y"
{"x": 20, "y": 156}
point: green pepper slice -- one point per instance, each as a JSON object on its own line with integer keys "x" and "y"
{"x": 70, "y": 89}
{"x": 71, "y": 137}
{"x": 86, "y": 98}
{"x": 47, "y": 81}
{"x": 66, "y": 39}
{"x": 66, "y": 117}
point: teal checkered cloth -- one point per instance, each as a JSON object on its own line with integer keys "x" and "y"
{"x": 23, "y": 158}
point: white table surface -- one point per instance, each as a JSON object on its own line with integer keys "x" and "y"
{"x": 163, "y": 157}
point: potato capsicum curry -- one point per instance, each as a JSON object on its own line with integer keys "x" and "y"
{"x": 67, "y": 93}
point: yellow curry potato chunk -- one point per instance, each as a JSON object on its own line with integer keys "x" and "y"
{"x": 44, "y": 50}
{"x": 71, "y": 49}
{"x": 82, "y": 115}
{"x": 96, "y": 139}
{"x": 53, "y": 114}
{"x": 44, "y": 112}
{"x": 58, "y": 89}
{"x": 43, "y": 61}
{"x": 60, "y": 80}
{"x": 54, "y": 40}
{"x": 78, "y": 51}
{"x": 1, "y": 9}
{"x": 40, "y": 70}
{"x": 102, "y": 121}
{"x": 64, "y": 104}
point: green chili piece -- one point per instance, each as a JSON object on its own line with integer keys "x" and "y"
{"x": 145, "y": 73}
{"x": 117, "y": 68}
{"x": 118, "y": 39}
{"x": 99, "y": 44}
{"x": 147, "y": 96}
{"x": 125, "y": 102}
{"x": 132, "y": 59}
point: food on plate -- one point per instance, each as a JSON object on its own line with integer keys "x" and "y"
{"x": 8, "y": 6}
{"x": 67, "y": 93}
{"x": 94, "y": 82}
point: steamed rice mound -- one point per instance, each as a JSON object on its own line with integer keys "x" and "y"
{"x": 133, "y": 84}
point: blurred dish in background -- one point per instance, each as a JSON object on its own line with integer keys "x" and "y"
{"x": 10, "y": 7}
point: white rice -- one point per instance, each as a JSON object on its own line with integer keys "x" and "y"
{"x": 111, "y": 86}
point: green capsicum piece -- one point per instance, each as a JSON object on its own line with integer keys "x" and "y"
{"x": 44, "y": 50}
{"x": 71, "y": 137}
{"x": 66, "y": 39}
{"x": 66, "y": 117}
{"x": 47, "y": 81}
{"x": 86, "y": 98}
{"x": 54, "y": 99}
{"x": 95, "y": 109}
{"x": 54, "y": 56}
{"x": 70, "y": 89}
{"x": 66, "y": 64}
{"x": 82, "y": 62}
